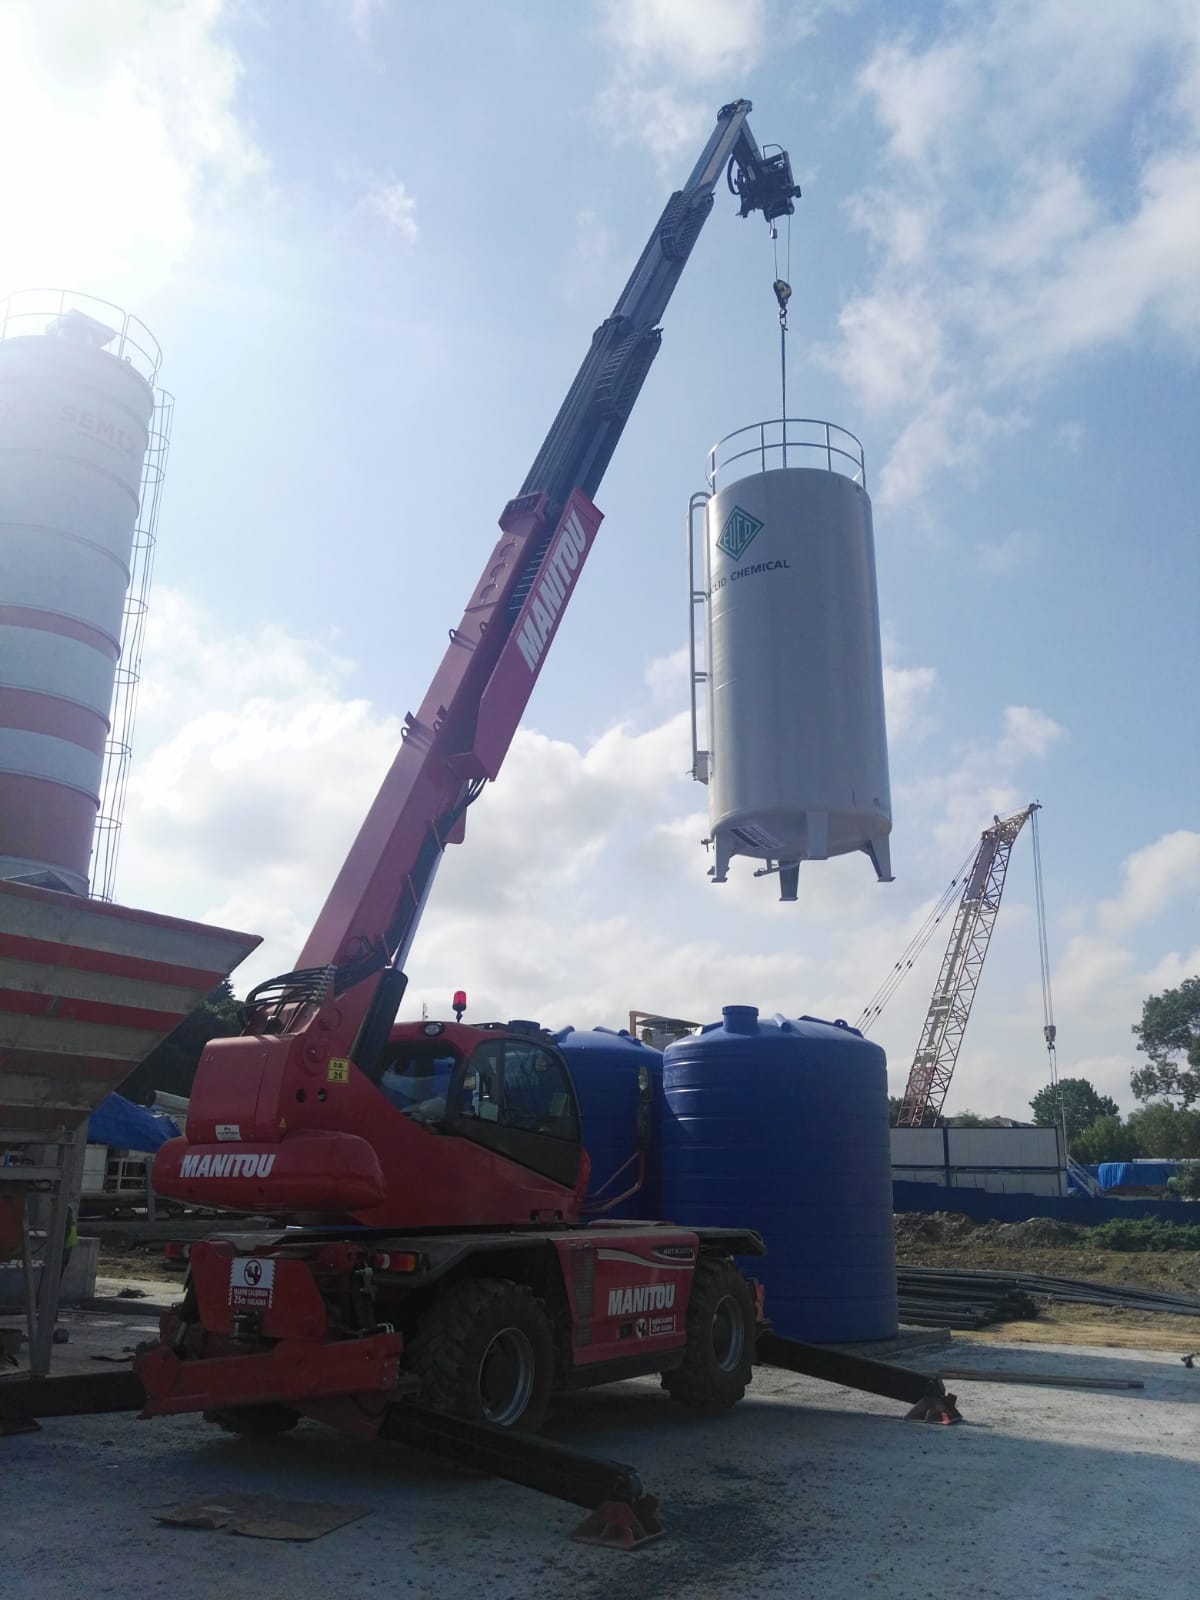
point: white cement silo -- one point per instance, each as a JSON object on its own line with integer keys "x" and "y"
{"x": 75, "y": 415}
{"x": 796, "y": 765}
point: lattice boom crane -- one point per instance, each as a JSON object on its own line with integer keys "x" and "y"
{"x": 954, "y": 993}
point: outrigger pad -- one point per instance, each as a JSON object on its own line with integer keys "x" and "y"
{"x": 935, "y": 1408}
{"x": 10, "y": 1425}
{"x": 620, "y": 1526}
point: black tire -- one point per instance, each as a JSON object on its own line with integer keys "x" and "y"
{"x": 719, "y": 1358}
{"x": 485, "y": 1351}
{"x": 255, "y": 1422}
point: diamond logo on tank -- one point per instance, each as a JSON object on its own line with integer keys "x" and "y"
{"x": 738, "y": 532}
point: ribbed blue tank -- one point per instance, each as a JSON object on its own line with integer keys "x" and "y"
{"x": 783, "y": 1127}
{"x": 605, "y": 1066}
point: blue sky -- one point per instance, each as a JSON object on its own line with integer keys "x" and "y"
{"x": 374, "y": 239}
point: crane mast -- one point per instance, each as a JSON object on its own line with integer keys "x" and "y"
{"x": 954, "y": 993}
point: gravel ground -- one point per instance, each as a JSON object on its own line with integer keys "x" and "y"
{"x": 804, "y": 1490}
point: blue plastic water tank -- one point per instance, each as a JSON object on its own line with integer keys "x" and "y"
{"x": 606, "y": 1068}
{"x": 782, "y": 1127}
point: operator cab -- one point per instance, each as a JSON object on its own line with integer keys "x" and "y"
{"x": 509, "y": 1092}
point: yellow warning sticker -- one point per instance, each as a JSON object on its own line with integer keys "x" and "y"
{"x": 339, "y": 1070}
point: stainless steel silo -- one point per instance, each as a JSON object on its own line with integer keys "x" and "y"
{"x": 76, "y": 403}
{"x": 796, "y": 765}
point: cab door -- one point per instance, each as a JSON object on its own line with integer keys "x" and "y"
{"x": 515, "y": 1096}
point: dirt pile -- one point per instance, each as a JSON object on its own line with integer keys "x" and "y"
{"x": 1043, "y": 1232}
{"x": 936, "y": 1227}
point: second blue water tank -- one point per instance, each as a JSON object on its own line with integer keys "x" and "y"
{"x": 782, "y": 1126}
{"x": 607, "y": 1069}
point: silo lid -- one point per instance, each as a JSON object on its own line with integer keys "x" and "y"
{"x": 740, "y": 1019}
{"x": 79, "y": 328}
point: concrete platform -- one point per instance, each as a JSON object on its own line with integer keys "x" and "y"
{"x": 803, "y": 1491}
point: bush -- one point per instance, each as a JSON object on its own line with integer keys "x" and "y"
{"x": 1186, "y": 1182}
{"x": 1145, "y": 1233}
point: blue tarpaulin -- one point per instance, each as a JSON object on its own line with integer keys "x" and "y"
{"x": 118, "y": 1122}
{"x": 1135, "y": 1174}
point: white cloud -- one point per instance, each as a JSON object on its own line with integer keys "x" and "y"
{"x": 666, "y": 56}
{"x": 1100, "y": 984}
{"x": 1089, "y": 970}
{"x": 985, "y": 777}
{"x": 699, "y": 40}
{"x": 123, "y": 135}
{"x": 242, "y": 815}
{"x": 985, "y": 290}
{"x": 907, "y": 692}
{"x": 947, "y": 431}
{"x": 390, "y": 201}
{"x": 892, "y": 348}
{"x": 1027, "y": 732}
{"x": 919, "y": 96}
{"x": 1050, "y": 208}
{"x": 1154, "y": 877}
{"x": 1112, "y": 960}
{"x": 900, "y": 229}
{"x": 581, "y": 889}
{"x": 666, "y": 122}
{"x": 666, "y": 677}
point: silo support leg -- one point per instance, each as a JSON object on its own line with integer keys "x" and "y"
{"x": 881, "y": 859}
{"x": 723, "y": 856}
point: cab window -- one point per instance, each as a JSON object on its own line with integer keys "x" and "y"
{"x": 535, "y": 1093}
{"x": 479, "y": 1096}
{"x": 521, "y": 1086}
{"x": 417, "y": 1077}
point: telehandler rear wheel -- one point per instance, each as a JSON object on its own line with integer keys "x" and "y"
{"x": 485, "y": 1351}
{"x": 719, "y": 1358}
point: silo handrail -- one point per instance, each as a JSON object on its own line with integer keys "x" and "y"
{"x": 845, "y": 457}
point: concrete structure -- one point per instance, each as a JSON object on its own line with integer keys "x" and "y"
{"x": 86, "y": 992}
{"x": 796, "y": 765}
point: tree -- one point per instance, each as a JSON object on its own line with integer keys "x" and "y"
{"x": 1108, "y": 1139}
{"x": 1169, "y": 1033}
{"x": 171, "y": 1065}
{"x": 1080, "y": 1106}
{"x": 1186, "y": 1182}
{"x": 1165, "y": 1131}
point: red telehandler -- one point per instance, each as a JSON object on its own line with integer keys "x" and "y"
{"x": 435, "y": 1278}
